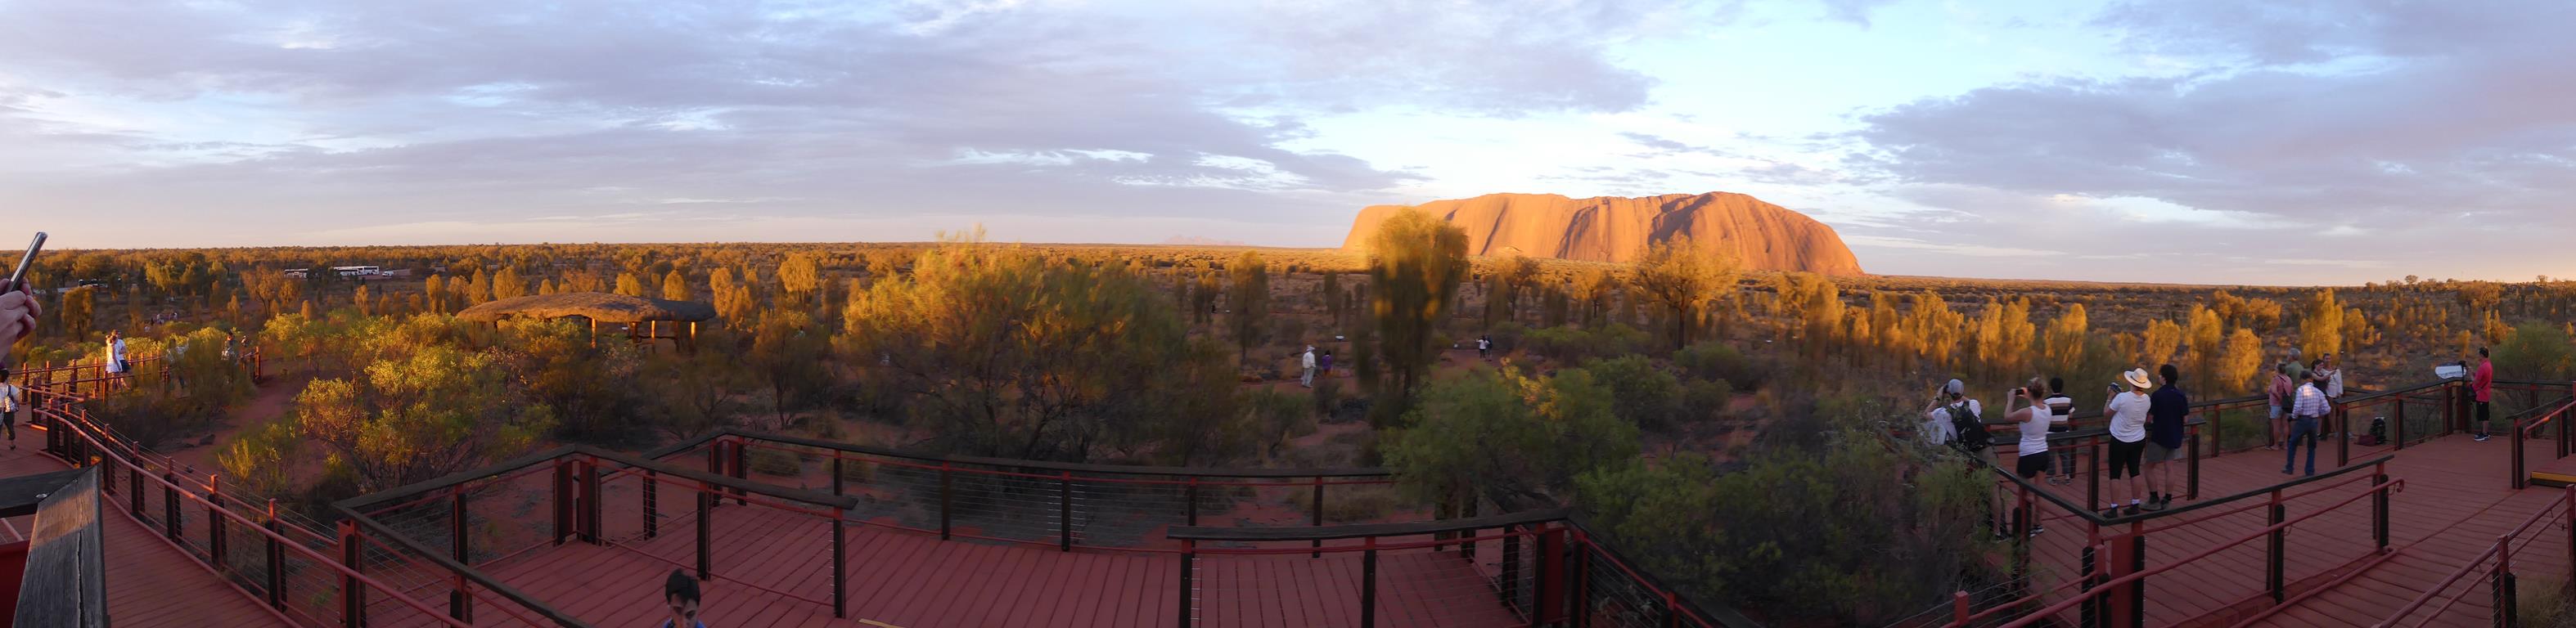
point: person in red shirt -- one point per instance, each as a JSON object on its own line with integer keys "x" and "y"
{"x": 2483, "y": 384}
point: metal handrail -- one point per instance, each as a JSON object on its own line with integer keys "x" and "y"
{"x": 2547, "y": 511}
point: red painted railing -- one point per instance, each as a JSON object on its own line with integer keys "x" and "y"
{"x": 2496, "y": 563}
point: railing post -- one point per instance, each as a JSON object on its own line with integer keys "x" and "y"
{"x": 2091, "y": 562}
{"x": 1511, "y": 567}
{"x": 707, "y": 499}
{"x": 1467, "y": 539}
{"x": 1368, "y": 583}
{"x": 1959, "y": 610}
{"x": 1316, "y": 517}
{"x": 170, "y": 505}
{"x": 2379, "y": 507}
{"x": 2570, "y": 498}
{"x": 460, "y": 604}
{"x": 2191, "y": 470}
{"x": 1190, "y": 493}
{"x": 1579, "y": 561}
{"x": 1550, "y": 589}
{"x": 2505, "y": 607}
{"x": 215, "y": 546}
{"x": 838, "y": 482}
{"x": 2273, "y": 578}
{"x": 276, "y": 559}
{"x": 2217, "y": 438}
{"x": 947, "y": 482}
{"x": 1064, "y": 511}
{"x": 353, "y": 594}
{"x": 2138, "y": 587}
{"x": 589, "y": 499}
{"x": 2343, "y": 435}
{"x": 1189, "y": 558}
{"x": 2520, "y": 477}
{"x": 740, "y": 467}
{"x": 2401, "y": 421}
{"x": 652, "y": 504}
{"x": 2092, "y": 472}
{"x": 840, "y": 564}
{"x": 563, "y": 502}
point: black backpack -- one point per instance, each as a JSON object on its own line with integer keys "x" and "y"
{"x": 2378, "y": 433}
{"x": 1973, "y": 436}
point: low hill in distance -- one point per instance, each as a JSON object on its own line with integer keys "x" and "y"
{"x": 1616, "y": 229}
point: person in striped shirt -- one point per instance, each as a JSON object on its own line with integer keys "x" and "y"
{"x": 2307, "y": 407}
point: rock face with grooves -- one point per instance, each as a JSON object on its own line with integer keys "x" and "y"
{"x": 1614, "y": 229}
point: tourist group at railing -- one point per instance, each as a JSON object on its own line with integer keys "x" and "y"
{"x": 2107, "y": 584}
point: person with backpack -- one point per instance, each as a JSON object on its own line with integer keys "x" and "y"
{"x": 1952, "y": 419}
{"x": 2061, "y": 412}
{"x": 2126, "y": 416}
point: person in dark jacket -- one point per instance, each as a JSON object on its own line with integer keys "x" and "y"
{"x": 2166, "y": 410}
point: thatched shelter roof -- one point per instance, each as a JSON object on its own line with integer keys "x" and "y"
{"x": 597, "y": 306}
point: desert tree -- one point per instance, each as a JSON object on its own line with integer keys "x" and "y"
{"x": 2062, "y": 345}
{"x": 2162, "y": 339}
{"x": 628, "y": 285}
{"x": 508, "y": 283}
{"x": 1415, "y": 261}
{"x": 2321, "y": 325}
{"x": 1682, "y": 276}
{"x": 435, "y": 410}
{"x": 995, "y": 351}
{"x": 1248, "y": 297}
{"x": 675, "y": 287}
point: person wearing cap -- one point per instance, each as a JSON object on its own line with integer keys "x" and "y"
{"x": 1308, "y": 360}
{"x": 2307, "y": 408}
{"x": 2126, "y": 416}
{"x": 2166, "y": 410}
{"x": 1936, "y": 429}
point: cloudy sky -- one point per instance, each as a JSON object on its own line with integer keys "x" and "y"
{"x": 2189, "y": 140}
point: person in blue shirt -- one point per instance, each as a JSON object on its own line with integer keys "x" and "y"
{"x": 2166, "y": 409}
{"x": 681, "y": 591}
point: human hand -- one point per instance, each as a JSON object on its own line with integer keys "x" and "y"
{"x": 18, "y": 310}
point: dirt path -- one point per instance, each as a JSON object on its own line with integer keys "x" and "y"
{"x": 267, "y": 404}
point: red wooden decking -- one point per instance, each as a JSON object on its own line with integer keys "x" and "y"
{"x": 913, "y": 580}
{"x": 149, "y": 583}
{"x": 2456, "y": 499}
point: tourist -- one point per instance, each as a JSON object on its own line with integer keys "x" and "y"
{"x": 1484, "y": 347}
{"x": 2483, "y": 384}
{"x": 2126, "y": 416}
{"x": 1308, "y": 361}
{"x": 11, "y": 399}
{"x": 2308, "y": 407}
{"x": 18, "y": 311}
{"x": 2030, "y": 459}
{"x": 2279, "y": 393}
{"x": 1324, "y": 365}
{"x": 2166, "y": 410}
{"x": 681, "y": 592}
{"x": 116, "y": 364}
{"x": 1938, "y": 418}
{"x": 2061, "y": 411}
{"x": 2327, "y": 369}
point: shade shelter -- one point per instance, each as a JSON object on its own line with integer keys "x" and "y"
{"x": 645, "y": 319}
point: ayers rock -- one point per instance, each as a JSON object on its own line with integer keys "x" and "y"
{"x": 1614, "y": 229}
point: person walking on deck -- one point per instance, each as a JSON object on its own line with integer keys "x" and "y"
{"x": 2483, "y": 384}
{"x": 2166, "y": 410}
{"x": 2306, "y": 410}
{"x": 2061, "y": 409}
{"x": 2126, "y": 416}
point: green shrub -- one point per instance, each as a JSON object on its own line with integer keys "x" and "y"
{"x": 1641, "y": 393}
{"x": 2543, "y": 602}
{"x": 1572, "y": 345}
{"x": 768, "y": 461}
{"x": 1706, "y": 400}
{"x": 1717, "y": 361}
{"x": 1507, "y": 336}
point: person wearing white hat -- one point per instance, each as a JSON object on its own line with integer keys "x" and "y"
{"x": 2126, "y": 416}
{"x": 1309, "y": 361}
